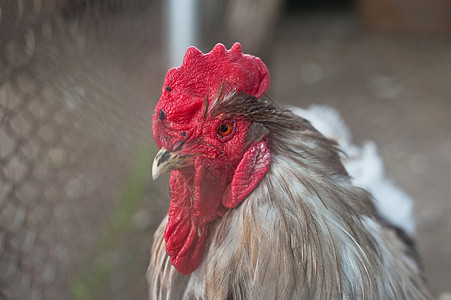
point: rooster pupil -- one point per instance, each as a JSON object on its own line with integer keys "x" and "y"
{"x": 225, "y": 129}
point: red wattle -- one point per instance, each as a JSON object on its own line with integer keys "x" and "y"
{"x": 191, "y": 214}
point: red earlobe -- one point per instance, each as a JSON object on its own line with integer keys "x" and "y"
{"x": 251, "y": 169}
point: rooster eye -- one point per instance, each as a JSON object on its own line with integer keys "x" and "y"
{"x": 225, "y": 129}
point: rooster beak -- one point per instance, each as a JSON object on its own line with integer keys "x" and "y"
{"x": 166, "y": 161}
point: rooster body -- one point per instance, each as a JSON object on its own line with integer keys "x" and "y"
{"x": 284, "y": 220}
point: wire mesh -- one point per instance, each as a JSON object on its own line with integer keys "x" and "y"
{"x": 70, "y": 127}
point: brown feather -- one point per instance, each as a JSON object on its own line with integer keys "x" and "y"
{"x": 305, "y": 232}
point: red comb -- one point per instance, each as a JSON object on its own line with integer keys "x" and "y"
{"x": 203, "y": 73}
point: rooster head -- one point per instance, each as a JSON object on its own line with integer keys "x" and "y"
{"x": 216, "y": 154}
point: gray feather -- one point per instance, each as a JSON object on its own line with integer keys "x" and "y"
{"x": 305, "y": 232}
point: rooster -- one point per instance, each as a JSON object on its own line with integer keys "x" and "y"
{"x": 262, "y": 206}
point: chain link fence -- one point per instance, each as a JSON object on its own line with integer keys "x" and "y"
{"x": 75, "y": 147}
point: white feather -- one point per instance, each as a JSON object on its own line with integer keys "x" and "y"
{"x": 365, "y": 166}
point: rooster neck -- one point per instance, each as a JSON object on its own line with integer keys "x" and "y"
{"x": 298, "y": 218}
{"x": 305, "y": 232}
{"x": 301, "y": 235}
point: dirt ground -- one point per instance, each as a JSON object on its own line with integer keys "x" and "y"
{"x": 96, "y": 217}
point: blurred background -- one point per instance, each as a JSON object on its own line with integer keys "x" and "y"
{"x": 79, "y": 80}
